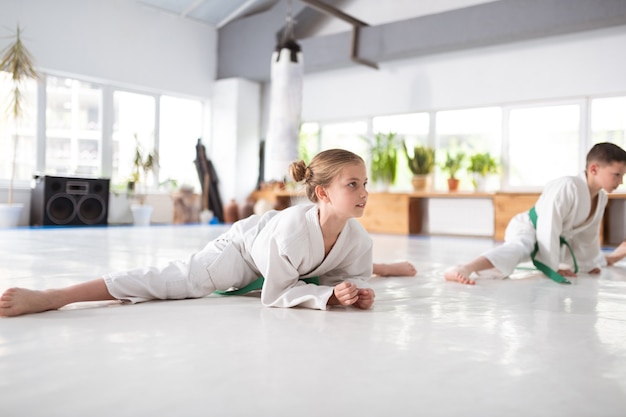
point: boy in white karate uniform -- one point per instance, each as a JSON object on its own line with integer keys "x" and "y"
{"x": 289, "y": 248}
{"x": 563, "y": 228}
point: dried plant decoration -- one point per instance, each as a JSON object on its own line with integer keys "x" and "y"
{"x": 17, "y": 61}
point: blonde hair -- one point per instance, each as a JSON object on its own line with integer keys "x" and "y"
{"x": 323, "y": 169}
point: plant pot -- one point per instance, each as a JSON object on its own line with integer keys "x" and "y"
{"x": 420, "y": 182}
{"x": 480, "y": 182}
{"x": 141, "y": 214}
{"x": 10, "y": 214}
{"x": 453, "y": 184}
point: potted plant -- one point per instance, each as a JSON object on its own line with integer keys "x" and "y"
{"x": 452, "y": 165}
{"x": 421, "y": 164}
{"x": 143, "y": 163}
{"x": 384, "y": 159}
{"x": 481, "y": 165}
{"x": 18, "y": 63}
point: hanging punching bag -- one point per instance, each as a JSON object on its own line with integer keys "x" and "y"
{"x": 281, "y": 144}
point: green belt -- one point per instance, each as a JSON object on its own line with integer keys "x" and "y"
{"x": 551, "y": 273}
{"x": 257, "y": 284}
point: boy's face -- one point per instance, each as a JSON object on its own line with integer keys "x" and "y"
{"x": 608, "y": 176}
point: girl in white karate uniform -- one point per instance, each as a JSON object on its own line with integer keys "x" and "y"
{"x": 570, "y": 208}
{"x": 322, "y": 240}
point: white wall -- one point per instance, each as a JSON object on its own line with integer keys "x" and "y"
{"x": 587, "y": 63}
{"x": 117, "y": 41}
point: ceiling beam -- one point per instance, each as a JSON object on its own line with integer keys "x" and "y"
{"x": 333, "y": 11}
{"x": 245, "y": 46}
{"x": 356, "y": 25}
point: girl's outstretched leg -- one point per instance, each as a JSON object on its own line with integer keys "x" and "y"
{"x": 19, "y": 301}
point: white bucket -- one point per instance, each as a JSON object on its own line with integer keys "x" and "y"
{"x": 10, "y": 215}
{"x": 141, "y": 214}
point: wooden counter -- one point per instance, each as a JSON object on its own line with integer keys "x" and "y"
{"x": 506, "y": 205}
{"x": 401, "y": 213}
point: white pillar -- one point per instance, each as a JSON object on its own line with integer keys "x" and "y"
{"x": 235, "y": 138}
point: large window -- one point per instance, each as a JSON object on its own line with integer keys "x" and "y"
{"x": 88, "y": 125}
{"x": 180, "y": 129}
{"x": 468, "y": 131}
{"x": 309, "y": 141}
{"x": 608, "y": 120}
{"x": 413, "y": 129}
{"x": 21, "y": 132}
{"x": 133, "y": 127}
{"x": 349, "y": 135}
{"x": 73, "y": 127}
{"x": 543, "y": 144}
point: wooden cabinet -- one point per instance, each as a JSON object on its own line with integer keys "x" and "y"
{"x": 392, "y": 213}
{"x": 507, "y": 205}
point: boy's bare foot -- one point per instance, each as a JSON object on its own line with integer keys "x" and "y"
{"x": 396, "y": 269}
{"x": 459, "y": 274}
{"x": 18, "y": 301}
{"x": 617, "y": 255}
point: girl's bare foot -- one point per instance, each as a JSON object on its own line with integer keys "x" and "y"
{"x": 459, "y": 274}
{"x": 396, "y": 269}
{"x": 18, "y": 301}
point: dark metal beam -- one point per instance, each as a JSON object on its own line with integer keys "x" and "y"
{"x": 245, "y": 46}
{"x": 356, "y": 25}
{"x": 333, "y": 11}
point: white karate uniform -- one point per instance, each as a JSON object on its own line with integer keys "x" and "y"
{"x": 563, "y": 209}
{"x": 281, "y": 246}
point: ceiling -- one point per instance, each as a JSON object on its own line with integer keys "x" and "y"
{"x": 213, "y": 12}
{"x": 219, "y": 13}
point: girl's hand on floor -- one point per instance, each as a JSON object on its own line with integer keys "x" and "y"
{"x": 366, "y": 298}
{"x": 344, "y": 294}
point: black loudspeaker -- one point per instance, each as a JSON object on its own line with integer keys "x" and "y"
{"x": 66, "y": 201}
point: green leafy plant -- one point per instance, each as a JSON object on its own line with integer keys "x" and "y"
{"x": 384, "y": 157}
{"x": 483, "y": 164}
{"x": 453, "y": 163}
{"x": 422, "y": 162}
{"x": 17, "y": 61}
{"x": 143, "y": 163}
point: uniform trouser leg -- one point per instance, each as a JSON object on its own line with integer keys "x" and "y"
{"x": 174, "y": 281}
{"x": 507, "y": 256}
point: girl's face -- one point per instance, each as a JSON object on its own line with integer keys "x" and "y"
{"x": 608, "y": 177}
{"x": 347, "y": 194}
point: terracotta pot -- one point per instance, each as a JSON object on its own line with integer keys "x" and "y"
{"x": 453, "y": 184}
{"x": 420, "y": 182}
{"x": 247, "y": 209}
{"x": 231, "y": 212}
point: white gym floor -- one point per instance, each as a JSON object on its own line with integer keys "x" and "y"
{"x": 514, "y": 347}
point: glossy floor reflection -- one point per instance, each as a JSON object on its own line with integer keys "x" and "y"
{"x": 516, "y": 347}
